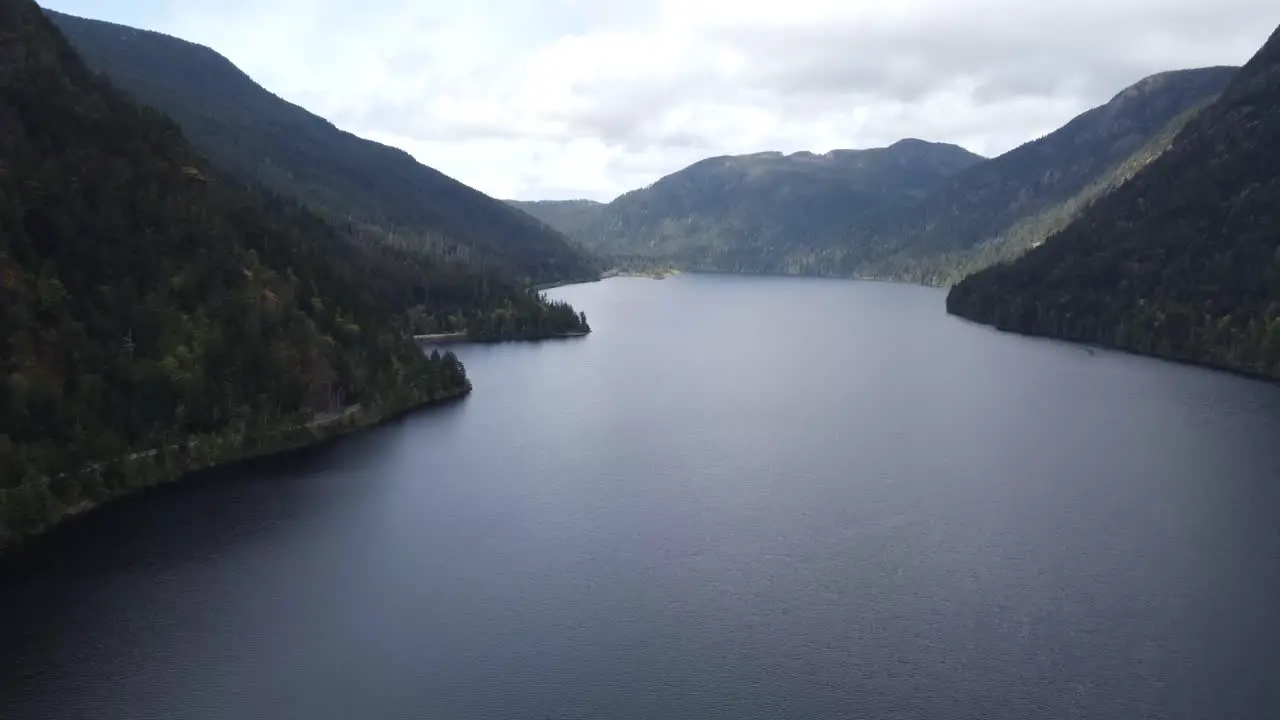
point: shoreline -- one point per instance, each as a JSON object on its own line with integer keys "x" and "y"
{"x": 257, "y": 447}
{"x": 652, "y": 275}
{"x": 817, "y": 276}
{"x": 681, "y": 273}
{"x": 1089, "y": 345}
{"x": 441, "y": 338}
{"x": 464, "y": 338}
{"x": 1185, "y": 362}
{"x": 613, "y": 274}
{"x": 541, "y": 287}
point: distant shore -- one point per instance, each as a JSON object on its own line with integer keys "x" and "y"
{"x": 441, "y": 337}
{"x": 1092, "y": 346}
{"x": 462, "y": 337}
{"x": 653, "y": 275}
{"x": 661, "y": 274}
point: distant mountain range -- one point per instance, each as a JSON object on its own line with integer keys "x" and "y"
{"x": 766, "y": 212}
{"x": 1182, "y": 261}
{"x": 918, "y": 211}
{"x": 261, "y": 138}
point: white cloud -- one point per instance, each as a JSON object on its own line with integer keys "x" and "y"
{"x": 565, "y": 98}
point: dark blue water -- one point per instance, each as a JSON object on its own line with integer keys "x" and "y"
{"x": 739, "y": 498}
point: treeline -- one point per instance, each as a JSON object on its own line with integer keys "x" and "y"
{"x": 429, "y": 298}
{"x": 547, "y": 319}
{"x": 148, "y": 303}
{"x": 531, "y": 318}
{"x": 640, "y": 265}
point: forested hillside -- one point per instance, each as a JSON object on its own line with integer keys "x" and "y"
{"x": 999, "y": 209}
{"x": 575, "y": 218}
{"x": 153, "y": 316}
{"x": 384, "y": 193}
{"x": 915, "y": 211}
{"x": 1183, "y": 261}
{"x": 766, "y": 212}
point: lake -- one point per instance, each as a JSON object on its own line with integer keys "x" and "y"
{"x": 748, "y": 498}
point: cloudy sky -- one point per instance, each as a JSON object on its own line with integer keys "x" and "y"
{"x": 537, "y": 99}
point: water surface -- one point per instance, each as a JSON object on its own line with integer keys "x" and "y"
{"x": 743, "y": 498}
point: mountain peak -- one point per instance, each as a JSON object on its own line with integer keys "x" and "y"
{"x": 918, "y": 144}
{"x": 1163, "y": 81}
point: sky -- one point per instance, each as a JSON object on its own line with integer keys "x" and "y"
{"x": 557, "y": 99}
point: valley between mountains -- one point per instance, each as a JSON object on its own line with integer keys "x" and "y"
{"x": 188, "y": 256}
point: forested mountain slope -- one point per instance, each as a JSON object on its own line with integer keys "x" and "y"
{"x": 1183, "y": 261}
{"x": 575, "y": 218}
{"x": 383, "y": 191}
{"x": 153, "y": 316}
{"x": 1001, "y": 208}
{"x": 766, "y": 212}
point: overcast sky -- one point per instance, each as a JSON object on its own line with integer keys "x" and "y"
{"x": 549, "y": 99}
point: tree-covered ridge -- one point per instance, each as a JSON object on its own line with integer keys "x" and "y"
{"x": 432, "y": 297}
{"x": 948, "y": 267}
{"x": 766, "y": 212}
{"x": 153, "y": 315}
{"x": 382, "y": 191}
{"x": 1183, "y": 261}
{"x": 990, "y": 198}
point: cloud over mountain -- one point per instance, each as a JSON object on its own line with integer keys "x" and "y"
{"x": 579, "y": 98}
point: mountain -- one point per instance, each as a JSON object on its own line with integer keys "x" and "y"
{"x": 914, "y": 211}
{"x": 999, "y": 209}
{"x": 154, "y": 316}
{"x": 260, "y": 137}
{"x": 1182, "y": 261}
{"x": 574, "y": 218}
{"x": 764, "y": 212}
